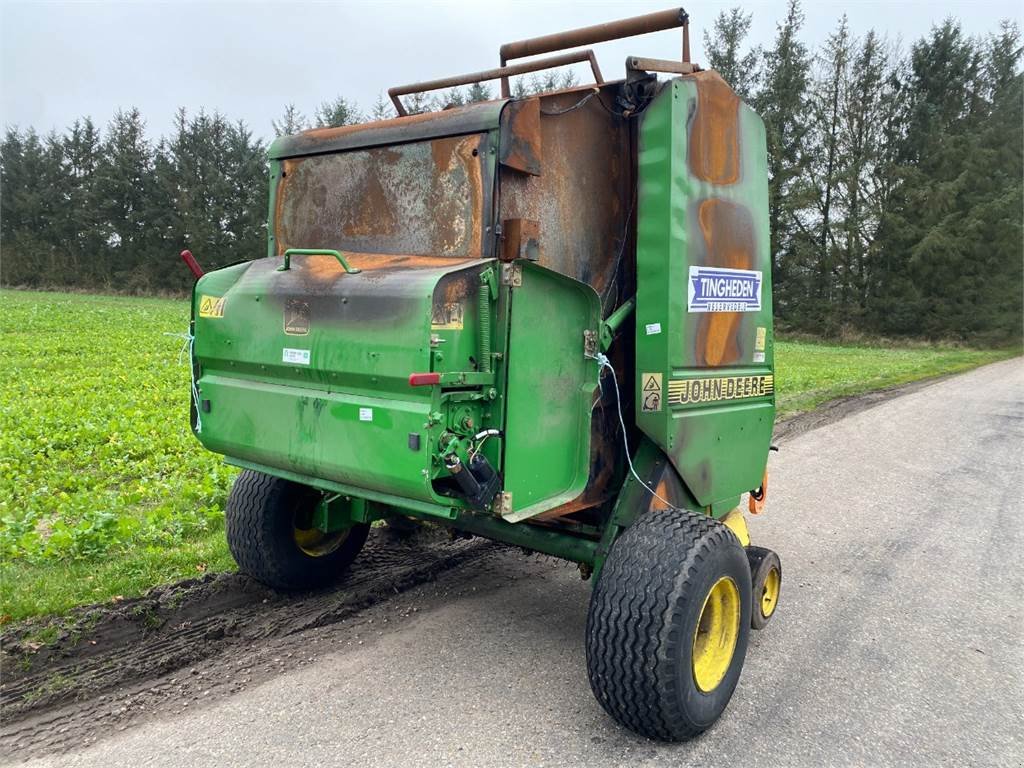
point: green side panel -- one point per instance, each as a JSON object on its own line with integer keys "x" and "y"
{"x": 307, "y": 370}
{"x": 550, "y": 391}
{"x": 704, "y": 378}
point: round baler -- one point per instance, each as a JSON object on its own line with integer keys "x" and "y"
{"x": 543, "y": 319}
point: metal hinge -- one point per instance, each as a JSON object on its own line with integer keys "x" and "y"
{"x": 512, "y": 274}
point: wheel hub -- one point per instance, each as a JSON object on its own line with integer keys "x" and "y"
{"x": 714, "y": 640}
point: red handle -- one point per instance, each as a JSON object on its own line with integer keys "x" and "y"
{"x": 192, "y": 264}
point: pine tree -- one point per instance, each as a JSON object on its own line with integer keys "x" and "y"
{"x": 77, "y": 226}
{"x": 865, "y": 188}
{"x": 382, "y": 109}
{"x": 337, "y": 112}
{"x": 291, "y": 122}
{"x": 826, "y": 168}
{"x": 124, "y": 181}
{"x": 724, "y": 45}
{"x": 478, "y": 92}
{"x": 417, "y": 103}
{"x": 782, "y": 105}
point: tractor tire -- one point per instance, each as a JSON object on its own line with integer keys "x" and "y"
{"x": 766, "y": 585}
{"x": 270, "y": 534}
{"x": 668, "y": 624}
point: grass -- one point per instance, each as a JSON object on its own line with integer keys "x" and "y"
{"x": 809, "y": 374}
{"x": 103, "y": 490}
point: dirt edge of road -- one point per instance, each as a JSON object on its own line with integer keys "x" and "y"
{"x": 56, "y": 666}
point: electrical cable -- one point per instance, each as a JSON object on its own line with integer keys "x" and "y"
{"x": 603, "y": 362}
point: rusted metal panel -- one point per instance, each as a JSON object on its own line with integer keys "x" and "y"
{"x": 581, "y": 203}
{"x": 520, "y": 239}
{"x": 582, "y": 199}
{"x": 472, "y": 118}
{"x": 422, "y": 198}
{"x": 522, "y": 145}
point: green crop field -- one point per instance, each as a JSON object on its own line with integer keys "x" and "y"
{"x": 103, "y": 490}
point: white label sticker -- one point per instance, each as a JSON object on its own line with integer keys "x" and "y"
{"x": 295, "y": 356}
{"x": 718, "y": 289}
{"x": 366, "y": 414}
{"x": 653, "y": 329}
{"x": 759, "y": 357}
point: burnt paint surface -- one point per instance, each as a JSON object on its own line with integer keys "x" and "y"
{"x": 471, "y": 118}
{"x": 703, "y": 203}
{"x": 581, "y": 202}
{"x": 714, "y": 147}
{"x": 581, "y": 197}
{"x": 521, "y": 145}
{"x": 427, "y": 198}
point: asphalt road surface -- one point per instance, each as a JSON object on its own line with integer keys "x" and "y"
{"x": 898, "y": 640}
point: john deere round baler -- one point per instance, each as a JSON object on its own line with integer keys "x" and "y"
{"x": 543, "y": 320}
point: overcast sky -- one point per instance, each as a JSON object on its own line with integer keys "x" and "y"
{"x": 61, "y": 60}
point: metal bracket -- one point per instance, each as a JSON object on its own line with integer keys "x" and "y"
{"x": 503, "y": 504}
{"x": 512, "y": 274}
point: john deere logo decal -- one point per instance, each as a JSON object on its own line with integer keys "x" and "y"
{"x": 296, "y": 317}
{"x": 690, "y": 391}
{"x": 717, "y": 289}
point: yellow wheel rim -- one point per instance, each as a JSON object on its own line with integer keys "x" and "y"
{"x": 315, "y": 542}
{"x": 770, "y": 592}
{"x": 714, "y": 641}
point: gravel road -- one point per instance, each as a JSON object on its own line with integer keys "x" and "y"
{"x": 897, "y": 642}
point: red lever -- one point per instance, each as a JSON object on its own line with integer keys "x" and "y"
{"x": 424, "y": 379}
{"x": 192, "y": 264}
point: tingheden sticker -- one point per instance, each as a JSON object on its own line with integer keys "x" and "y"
{"x": 719, "y": 289}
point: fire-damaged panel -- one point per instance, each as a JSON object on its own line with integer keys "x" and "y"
{"x": 582, "y": 196}
{"x": 421, "y": 198}
{"x": 704, "y": 323}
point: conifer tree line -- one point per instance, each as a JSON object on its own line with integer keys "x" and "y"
{"x": 895, "y": 181}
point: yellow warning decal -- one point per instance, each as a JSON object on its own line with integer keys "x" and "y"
{"x": 447, "y": 317}
{"x": 689, "y": 391}
{"x": 760, "y": 339}
{"x": 650, "y": 392}
{"x": 211, "y": 306}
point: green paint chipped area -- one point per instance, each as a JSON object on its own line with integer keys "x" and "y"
{"x": 104, "y": 492}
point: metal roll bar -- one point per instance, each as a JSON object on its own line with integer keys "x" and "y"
{"x": 534, "y": 46}
{"x": 493, "y": 74}
{"x": 598, "y": 33}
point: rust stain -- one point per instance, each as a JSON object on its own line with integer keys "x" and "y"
{"x": 661, "y": 491}
{"x": 373, "y": 211}
{"x": 729, "y": 237}
{"x": 714, "y": 133}
{"x": 323, "y": 268}
{"x": 423, "y": 198}
{"x": 324, "y": 134}
{"x": 581, "y": 201}
{"x": 521, "y": 142}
